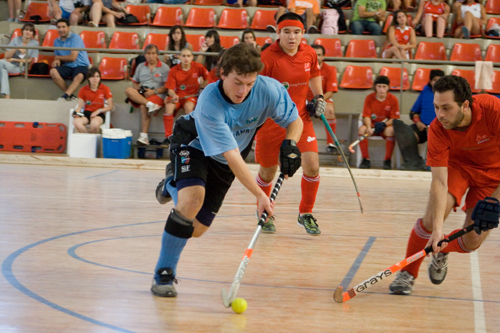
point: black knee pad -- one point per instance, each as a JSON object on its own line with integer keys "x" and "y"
{"x": 179, "y": 226}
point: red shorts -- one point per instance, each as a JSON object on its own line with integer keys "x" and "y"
{"x": 153, "y": 98}
{"x": 270, "y": 137}
{"x": 481, "y": 184}
{"x": 182, "y": 101}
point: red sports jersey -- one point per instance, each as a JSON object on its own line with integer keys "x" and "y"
{"x": 477, "y": 146}
{"x": 378, "y": 111}
{"x": 328, "y": 80}
{"x": 403, "y": 36}
{"x": 434, "y": 10}
{"x": 94, "y": 100}
{"x": 186, "y": 83}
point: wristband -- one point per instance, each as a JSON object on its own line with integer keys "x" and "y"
{"x": 416, "y": 119}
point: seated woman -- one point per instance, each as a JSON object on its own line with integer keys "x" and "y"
{"x": 401, "y": 38}
{"x": 176, "y": 42}
{"x": 212, "y": 44}
{"x": 72, "y": 10}
{"x": 93, "y": 101}
{"x": 432, "y": 14}
{"x": 16, "y": 58}
{"x": 469, "y": 17}
{"x": 248, "y": 37}
{"x": 108, "y": 10}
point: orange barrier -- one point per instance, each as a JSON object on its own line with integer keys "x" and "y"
{"x": 32, "y": 137}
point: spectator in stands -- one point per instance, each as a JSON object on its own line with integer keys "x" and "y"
{"x": 68, "y": 64}
{"x": 72, "y": 10}
{"x": 14, "y": 8}
{"x": 431, "y": 17}
{"x": 16, "y": 58}
{"x": 183, "y": 86}
{"x": 240, "y": 3}
{"x": 248, "y": 37}
{"x": 212, "y": 44}
{"x": 94, "y": 100}
{"x": 176, "y": 42}
{"x": 108, "y": 10}
{"x": 380, "y": 108}
{"x": 470, "y": 16}
{"x": 401, "y": 38}
{"x": 367, "y": 15}
{"x": 307, "y": 9}
{"x": 148, "y": 89}
{"x": 329, "y": 83}
{"x": 212, "y": 75}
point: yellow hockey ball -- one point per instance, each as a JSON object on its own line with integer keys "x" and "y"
{"x": 239, "y": 305}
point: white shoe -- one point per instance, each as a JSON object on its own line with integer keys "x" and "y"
{"x": 438, "y": 267}
{"x": 143, "y": 139}
{"x": 152, "y": 108}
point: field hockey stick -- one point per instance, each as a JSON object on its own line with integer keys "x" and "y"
{"x": 228, "y": 298}
{"x": 340, "y": 297}
{"x": 355, "y": 143}
{"x": 334, "y": 137}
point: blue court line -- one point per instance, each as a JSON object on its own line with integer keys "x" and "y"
{"x": 357, "y": 263}
{"x": 102, "y": 174}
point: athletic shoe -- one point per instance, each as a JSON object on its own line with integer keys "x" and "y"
{"x": 387, "y": 165}
{"x": 365, "y": 164}
{"x": 331, "y": 148}
{"x": 163, "y": 283}
{"x": 143, "y": 139}
{"x": 309, "y": 223}
{"x": 270, "y": 28}
{"x": 152, "y": 108}
{"x": 165, "y": 143}
{"x": 402, "y": 284}
{"x": 466, "y": 33}
{"x": 312, "y": 30}
{"x": 92, "y": 24}
{"x": 269, "y": 227}
{"x": 438, "y": 267}
{"x": 62, "y": 99}
{"x": 162, "y": 194}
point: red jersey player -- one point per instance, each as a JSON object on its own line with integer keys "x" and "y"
{"x": 295, "y": 65}
{"x": 463, "y": 151}
{"x": 183, "y": 86}
{"x": 379, "y": 105}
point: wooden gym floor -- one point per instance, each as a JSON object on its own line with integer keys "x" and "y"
{"x": 79, "y": 245}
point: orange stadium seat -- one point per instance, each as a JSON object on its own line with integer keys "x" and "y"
{"x": 430, "y": 51}
{"x": 496, "y": 84}
{"x": 196, "y": 41}
{"x": 233, "y": 19}
{"x": 493, "y": 53}
{"x": 113, "y": 68}
{"x": 263, "y": 40}
{"x": 469, "y": 75}
{"x": 37, "y": 9}
{"x": 263, "y": 18}
{"x": 492, "y": 7}
{"x": 333, "y": 46}
{"x": 357, "y": 77}
{"x": 466, "y": 52}
{"x": 44, "y": 58}
{"x": 124, "y": 40}
{"x": 50, "y": 37}
{"x": 17, "y": 33}
{"x": 491, "y": 21}
{"x": 160, "y": 40}
{"x": 361, "y": 48}
{"x": 421, "y": 78}
{"x": 143, "y": 14}
{"x": 94, "y": 39}
{"x": 167, "y": 17}
{"x": 209, "y": 2}
{"x": 228, "y": 41}
{"x": 201, "y": 18}
{"x": 394, "y": 75}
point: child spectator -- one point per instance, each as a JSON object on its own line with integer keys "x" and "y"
{"x": 432, "y": 14}
{"x": 248, "y": 37}
{"x": 367, "y": 15}
{"x": 72, "y": 10}
{"x": 16, "y": 58}
{"x": 176, "y": 42}
{"x": 401, "y": 38}
{"x": 108, "y": 10}
{"x": 469, "y": 17}
{"x": 183, "y": 86}
{"x": 94, "y": 100}
{"x": 212, "y": 44}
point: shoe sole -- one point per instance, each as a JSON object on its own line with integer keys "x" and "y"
{"x": 400, "y": 292}
{"x": 268, "y": 231}
{"x": 309, "y": 233}
{"x": 170, "y": 294}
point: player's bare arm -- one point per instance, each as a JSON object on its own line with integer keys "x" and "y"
{"x": 437, "y": 205}
{"x": 294, "y": 130}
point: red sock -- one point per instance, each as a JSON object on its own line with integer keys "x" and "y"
{"x": 389, "y": 147}
{"x": 309, "y": 187}
{"x": 168, "y": 123}
{"x": 333, "y": 125}
{"x": 456, "y": 245}
{"x": 417, "y": 241}
{"x": 363, "y": 145}
{"x": 266, "y": 187}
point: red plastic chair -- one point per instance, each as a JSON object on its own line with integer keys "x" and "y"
{"x": 113, "y": 68}
{"x": 43, "y": 58}
{"x": 357, "y": 77}
{"x": 160, "y": 40}
{"x": 491, "y": 21}
{"x": 143, "y": 14}
{"x": 492, "y": 7}
{"x": 359, "y": 48}
{"x": 430, "y": 51}
{"x": 394, "y": 75}
{"x": 496, "y": 84}
{"x": 228, "y": 41}
{"x": 124, "y": 40}
{"x": 37, "y": 8}
{"x": 493, "y": 53}
{"x": 466, "y": 52}
{"x": 233, "y": 19}
{"x": 50, "y": 37}
{"x": 263, "y": 40}
{"x": 263, "y": 18}
{"x": 94, "y": 39}
{"x": 333, "y": 46}
{"x": 469, "y": 75}
{"x": 17, "y": 33}
{"x": 196, "y": 41}
{"x": 421, "y": 78}
{"x": 209, "y": 2}
{"x": 168, "y": 17}
{"x": 201, "y": 18}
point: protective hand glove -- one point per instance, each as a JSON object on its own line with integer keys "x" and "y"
{"x": 289, "y": 157}
{"x": 379, "y": 127}
{"x": 316, "y": 107}
{"x": 486, "y": 214}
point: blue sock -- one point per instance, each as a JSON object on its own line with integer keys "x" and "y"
{"x": 171, "y": 249}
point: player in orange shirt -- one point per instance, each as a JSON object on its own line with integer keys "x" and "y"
{"x": 379, "y": 105}
{"x": 463, "y": 151}
{"x": 329, "y": 84}
{"x": 295, "y": 65}
{"x": 183, "y": 86}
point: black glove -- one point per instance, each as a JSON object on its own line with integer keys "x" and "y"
{"x": 486, "y": 214}
{"x": 379, "y": 127}
{"x": 316, "y": 107}
{"x": 289, "y": 157}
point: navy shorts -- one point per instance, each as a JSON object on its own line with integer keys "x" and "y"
{"x": 67, "y": 72}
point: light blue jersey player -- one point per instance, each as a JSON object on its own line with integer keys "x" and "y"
{"x": 208, "y": 150}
